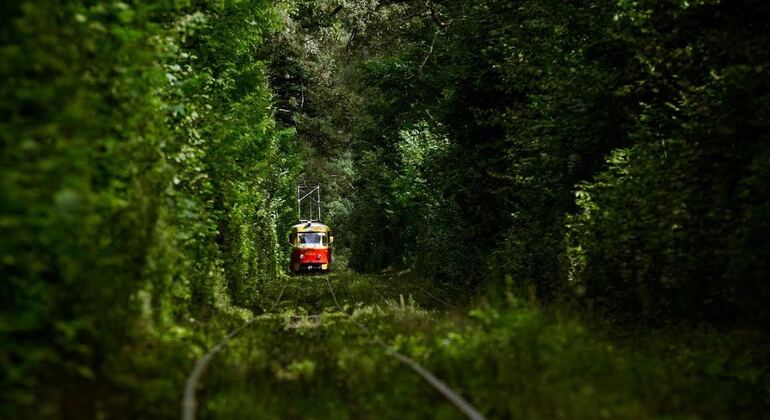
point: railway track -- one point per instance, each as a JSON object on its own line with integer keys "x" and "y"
{"x": 303, "y": 299}
{"x": 452, "y": 396}
{"x": 188, "y": 402}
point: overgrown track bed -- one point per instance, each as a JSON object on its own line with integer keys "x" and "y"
{"x": 310, "y": 301}
{"x": 188, "y": 402}
{"x": 306, "y": 359}
{"x": 464, "y": 406}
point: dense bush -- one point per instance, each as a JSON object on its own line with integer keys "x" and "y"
{"x": 672, "y": 228}
{"x": 612, "y": 153}
{"x": 143, "y": 181}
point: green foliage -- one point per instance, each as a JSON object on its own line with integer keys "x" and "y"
{"x": 83, "y": 177}
{"x": 653, "y": 113}
{"x": 143, "y": 182}
{"x": 663, "y": 232}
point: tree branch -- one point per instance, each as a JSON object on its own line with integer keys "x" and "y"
{"x": 324, "y": 21}
{"x": 427, "y": 56}
{"x": 430, "y": 51}
{"x": 436, "y": 16}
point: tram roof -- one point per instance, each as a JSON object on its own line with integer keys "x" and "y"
{"x": 310, "y": 227}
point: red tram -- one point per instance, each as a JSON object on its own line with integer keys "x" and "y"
{"x": 310, "y": 239}
{"x": 311, "y": 247}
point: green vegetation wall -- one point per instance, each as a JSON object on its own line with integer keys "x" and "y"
{"x": 676, "y": 223}
{"x": 610, "y": 153}
{"x": 143, "y": 182}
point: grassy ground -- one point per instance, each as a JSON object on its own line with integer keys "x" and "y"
{"x": 307, "y": 360}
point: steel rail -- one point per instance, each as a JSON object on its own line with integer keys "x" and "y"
{"x": 434, "y": 297}
{"x": 461, "y": 403}
{"x": 188, "y": 401}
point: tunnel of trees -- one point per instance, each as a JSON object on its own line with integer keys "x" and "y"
{"x": 607, "y": 156}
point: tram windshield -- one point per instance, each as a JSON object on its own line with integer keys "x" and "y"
{"x": 312, "y": 238}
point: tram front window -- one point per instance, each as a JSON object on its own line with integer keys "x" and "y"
{"x": 316, "y": 239}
